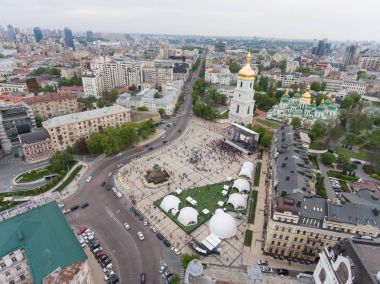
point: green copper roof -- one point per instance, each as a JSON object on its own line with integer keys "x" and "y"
{"x": 46, "y": 237}
{"x": 296, "y": 95}
{"x": 284, "y": 98}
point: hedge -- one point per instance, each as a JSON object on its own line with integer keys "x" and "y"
{"x": 340, "y": 175}
{"x": 252, "y": 210}
{"x": 248, "y": 238}
{"x": 257, "y": 174}
{"x": 69, "y": 179}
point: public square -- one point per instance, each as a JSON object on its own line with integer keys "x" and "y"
{"x": 214, "y": 166}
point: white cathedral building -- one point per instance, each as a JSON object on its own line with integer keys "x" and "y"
{"x": 242, "y": 103}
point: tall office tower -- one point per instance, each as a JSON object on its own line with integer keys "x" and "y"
{"x": 89, "y": 36}
{"x": 321, "y": 47}
{"x": 220, "y": 46}
{"x": 11, "y": 33}
{"x": 349, "y": 55}
{"x": 69, "y": 41}
{"x": 37, "y": 34}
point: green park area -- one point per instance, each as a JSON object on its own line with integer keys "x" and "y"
{"x": 207, "y": 197}
{"x": 33, "y": 175}
{"x": 268, "y": 123}
{"x": 360, "y": 155}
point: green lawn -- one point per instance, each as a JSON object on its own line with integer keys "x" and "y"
{"x": 313, "y": 159}
{"x": 339, "y": 175}
{"x": 252, "y": 209}
{"x": 318, "y": 145}
{"x": 207, "y": 198}
{"x": 268, "y": 123}
{"x": 248, "y": 238}
{"x": 361, "y": 155}
{"x": 33, "y": 175}
{"x": 69, "y": 179}
{"x": 257, "y": 174}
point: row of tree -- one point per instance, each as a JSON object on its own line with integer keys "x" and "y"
{"x": 45, "y": 71}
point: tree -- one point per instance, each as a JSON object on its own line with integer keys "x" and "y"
{"x": 315, "y": 86}
{"x": 234, "y": 67}
{"x": 323, "y": 86}
{"x": 296, "y": 122}
{"x": 204, "y": 111}
{"x": 143, "y": 108}
{"x": 81, "y": 146}
{"x": 113, "y": 95}
{"x": 328, "y": 158}
{"x": 186, "y": 258}
{"x": 175, "y": 279}
{"x": 161, "y": 111}
{"x": 38, "y": 120}
{"x": 282, "y": 66}
{"x": 177, "y": 107}
{"x": 60, "y": 161}
{"x": 265, "y": 140}
{"x": 100, "y": 103}
{"x": 317, "y": 130}
{"x": 94, "y": 143}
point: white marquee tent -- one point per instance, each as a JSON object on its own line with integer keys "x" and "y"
{"x": 188, "y": 216}
{"x": 242, "y": 185}
{"x": 170, "y": 202}
{"x": 239, "y": 201}
{"x": 247, "y": 170}
{"x": 222, "y": 225}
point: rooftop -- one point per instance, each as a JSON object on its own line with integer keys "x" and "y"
{"x": 83, "y": 116}
{"x": 34, "y": 136}
{"x": 46, "y": 237}
{"x": 49, "y": 97}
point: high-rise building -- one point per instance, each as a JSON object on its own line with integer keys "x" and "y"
{"x": 37, "y": 34}
{"x": 69, "y": 39}
{"x": 349, "y": 56}
{"x": 11, "y": 33}
{"x": 220, "y": 46}
{"x": 89, "y": 36}
{"x": 242, "y": 103}
{"x": 321, "y": 47}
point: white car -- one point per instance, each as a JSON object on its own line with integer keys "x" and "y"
{"x": 109, "y": 174}
{"x": 108, "y": 268}
{"x": 145, "y": 223}
{"x": 118, "y": 155}
{"x": 126, "y": 226}
{"x": 60, "y": 205}
{"x": 175, "y": 251}
{"x": 119, "y": 166}
{"x": 66, "y": 211}
{"x": 140, "y": 235}
{"x": 110, "y": 273}
{"x": 153, "y": 229}
{"x": 97, "y": 250}
{"x": 89, "y": 178}
{"x": 163, "y": 268}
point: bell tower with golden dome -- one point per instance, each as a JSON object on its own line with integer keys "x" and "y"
{"x": 243, "y": 103}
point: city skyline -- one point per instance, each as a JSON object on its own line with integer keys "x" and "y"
{"x": 272, "y": 19}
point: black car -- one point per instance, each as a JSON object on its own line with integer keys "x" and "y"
{"x": 105, "y": 262}
{"x": 165, "y": 141}
{"x": 283, "y": 272}
{"x": 167, "y": 243}
{"x": 146, "y": 146}
{"x": 179, "y": 130}
{"x": 84, "y": 205}
{"x": 90, "y": 243}
{"x": 103, "y": 257}
{"x": 160, "y": 236}
{"x": 103, "y": 183}
{"x": 94, "y": 247}
{"x": 150, "y": 148}
{"x": 114, "y": 279}
{"x": 74, "y": 207}
{"x": 142, "y": 277}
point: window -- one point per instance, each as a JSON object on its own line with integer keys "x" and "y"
{"x": 295, "y": 239}
{"x": 18, "y": 268}
{"x": 241, "y": 84}
{"x": 14, "y": 259}
{"x": 7, "y": 274}
{"x": 3, "y": 265}
{"x": 237, "y": 108}
{"x": 249, "y": 108}
{"x": 287, "y": 238}
{"x": 22, "y": 277}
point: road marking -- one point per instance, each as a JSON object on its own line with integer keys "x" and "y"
{"x": 131, "y": 240}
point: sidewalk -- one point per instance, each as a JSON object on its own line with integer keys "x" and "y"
{"x": 73, "y": 186}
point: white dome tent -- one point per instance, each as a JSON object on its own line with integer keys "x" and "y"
{"x": 222, "y": 225}
{"x": 239, "y": 201}
{"x": 246, "y": 170}
{"x": 188, "y": 216}
{"x": 242, "y": 185}
{"x": 170, "y": 202}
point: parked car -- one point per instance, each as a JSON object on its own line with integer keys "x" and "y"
{"x": 150, "y": 148}
{"x": 163, "y": 268}
{"x": 126, "y": 226}
{"x": 74, "y": 207}
{"x": 105, "y": 262}
{"x": 89, "y": 178}
{"x": 60, "y": 205}
{"x": 167, "y": 243}
{"x": 99, "y": 254}
{"x": 262, "y": 262}
{"x": 119, "y": 154}
{"x": 283, "y": 272}
{"x": 107, "y": 268}
{"x": 140, "y": 235}
{"x": 145, "y": 223}
{"x": 104, "y": 183}
{"x": 266, "y": 269}
{"x": 175, "y": 250}
{"x": 153, "y": 229}
{"x": 99, "y": 249}
{"x": 160, "y": 236}
{"x": 84, "y": 205}
{"x": 142, "y": 277}
{"x": 65, "y": 211}
{"x": 119, "y": 166}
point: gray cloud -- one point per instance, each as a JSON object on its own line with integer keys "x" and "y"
{"x": 334, "y": 19}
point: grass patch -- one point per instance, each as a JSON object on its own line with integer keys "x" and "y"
{"x": 361, "y": 155}
{"x": 257, "y": 174}
{"x": 268, "y": 123}
{"x": 318, "y": 145}
{"x": 9, "y": 204}
{"x": 248, "y": 238}
{"x": 33, "y": 175}
{"x": 69, "y": 179}
{"x": 261, "y": 154}
{"x": 339, "y": 175}
{"x": 313, "y": 159}
{"x": 320, "y": 187}
{"x": 207, "y": 197}
{"x": 344, "y": 186}
{"x": 252, "y": 209}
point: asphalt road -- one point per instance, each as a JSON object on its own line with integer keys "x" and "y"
{"x": 106, "y": 213}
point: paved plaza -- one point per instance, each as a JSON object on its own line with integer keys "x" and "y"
{"x": 213, "y": 167}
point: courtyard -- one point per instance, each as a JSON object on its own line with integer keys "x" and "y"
{"x": 211, "y": 170}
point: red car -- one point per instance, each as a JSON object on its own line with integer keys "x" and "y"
{"x": 81, "y": 230}
{"x": 139, "y": 149}
{"x": 99, "y": 254}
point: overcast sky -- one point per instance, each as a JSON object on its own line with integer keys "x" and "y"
{"x": 305, "y": 19}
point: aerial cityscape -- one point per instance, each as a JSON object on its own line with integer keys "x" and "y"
{"x": 197, "y": 143}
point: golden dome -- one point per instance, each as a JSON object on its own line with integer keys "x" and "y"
{"x": 247, "y": 72}
{"x": 286, "y": 93}
{"x": 306, "y": 95}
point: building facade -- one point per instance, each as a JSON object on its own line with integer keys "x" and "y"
{"x": 36, "y": 145}
{"x": 65, "y": 130}
{"x": 13, "y": 87}
{"x": 51, "y": 104}
{"x": 243, "y": 103}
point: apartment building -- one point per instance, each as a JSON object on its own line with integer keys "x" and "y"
{"x": 65, "y": 130}
{"x": 31, "y": 254}
{"x": 301, "y": 223}
{"x": 36, "y": 145}
{"x": 13, "y": 87}
{"x": 92, "y": 84}
{"x": 158, "y": 75}
{"x": 369, "y": 61}
{"x": 218, "y": 75}
{"x": 51, "y": 104}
